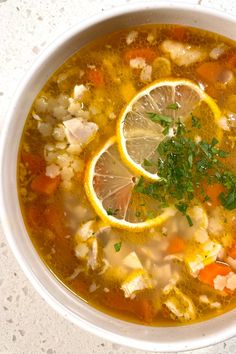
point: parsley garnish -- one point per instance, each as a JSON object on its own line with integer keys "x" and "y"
{"x": 147, "y": 163}
{"x": 112, "y": 212}
{"x": 173, "y": 106}
{"x": 163, "y": 120}
{"x": 151, "y": 214}
{"x": 195, "y": 122}
{"x": 184, "y": 166}
{"x": 228, "y": 198}
{"x": 159, "y": 118}
{"x": 117, "y": 246}
{"x": 182, "y": 207}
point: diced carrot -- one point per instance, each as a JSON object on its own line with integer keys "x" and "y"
{"x": 232, "y": 61}
{"x": 115, "y": 299}
{"x": 53, "y": 218}
{"x": 213, "y": 191}
{"x": 34, "y": 163}
{"x": 144, "y": 310}
{"x": 232, "y": 250}
{"x": 146, "y": 53}
{"x": 96, "y": 77}
{"x": 210, "y": 71}
{"x": 179, "y": 33}
{"x": 177, "y": 245}
{"x": 34, "y": 216}
{"x": 45, "y": 185}
{"x": 210, "y": 271}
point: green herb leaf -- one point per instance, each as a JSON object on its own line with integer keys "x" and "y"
{"x": 151, "y": 215}
{"x": 147, "y": 163}
{"x": 180, "y": 128}
{"x": 214, "y": 142}
{"x": 190, "y": 159}
{"x": 223, "y": 153}
{"x": 174, "y": 106}
{"x": 166, "y": 131}
{"x": 117, "y": 246}
{"x": 207, "y": 198}
{"x": 182, "y": 207}
{"x": 228, "y": 200}
{"x": 183, "y": 166}
{"x": 190, "y": 222}
{"x": 195, "y": 122}
{"x": 140, "y": 185}
{"x": 159, "y": 118}
{"x": 112, "y": 212}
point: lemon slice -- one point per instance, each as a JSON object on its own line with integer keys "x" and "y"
{"x": 138, "y": 136}
{"x": 109, "y": 186}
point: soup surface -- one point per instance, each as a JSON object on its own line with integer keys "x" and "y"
{"x": 126, "y": 174}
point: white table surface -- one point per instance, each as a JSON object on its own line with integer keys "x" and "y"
{"x": 27, "y": 323}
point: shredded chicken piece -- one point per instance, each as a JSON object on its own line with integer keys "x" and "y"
{"x": 86, "y": 230}
{"x": 93, "y": 255}
{"x": 179, "y": 304}
{"x": 137, "y": 63}
{"x": 136, "y": 281}
{"x": 131, "y": 37}
{"x": 79, "y": 90}
{"x": 81, "y": 250}
{"x": 132, "y": 261}
{"x": 183, "y": 54}
{"x": 80, "y": 132}
{"x": 146, "y": 73}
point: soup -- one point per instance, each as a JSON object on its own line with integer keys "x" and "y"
{"x": 126, "y": 174}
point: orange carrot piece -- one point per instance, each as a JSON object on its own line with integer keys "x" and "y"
{"x": 45, "y": 185}
{"x": 232, "y": 250}
{"x": 178, "y": 33}
{"x": 213, "y": 191}
{"x": 144, "y": 310}
{"x": 210, "y": 271}
{"x": 34, "y": 163}
{"x": 96, "y": 77}
{"x": 177, "y": 245}
{"x": 210, "y": 71}
{"x": 116, "y": 300}
{"x": 146, "y": 53}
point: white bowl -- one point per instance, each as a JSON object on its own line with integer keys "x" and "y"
{"x": 129, "y": 334}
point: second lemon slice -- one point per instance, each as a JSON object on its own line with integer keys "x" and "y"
{"x": 138, "y": 136}
{"x": 110, "y": 188}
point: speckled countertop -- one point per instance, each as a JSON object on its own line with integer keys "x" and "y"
{"x": 27, "y": 323}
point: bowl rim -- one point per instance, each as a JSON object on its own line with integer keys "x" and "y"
{"x": 200, "y": 342}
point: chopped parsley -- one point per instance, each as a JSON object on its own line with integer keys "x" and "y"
{"x": 160, "y": 118}
{"x": 195, "y": 122}
{"x": 147, "y": 163}
{"x": 185, "y": 167}
{"x": 117, "y": 246}
{"x": 151, "y": 214}
{"x": 164, "y": 120}
{"x": 173, "y": 106}
{"x": 112, "y": 212}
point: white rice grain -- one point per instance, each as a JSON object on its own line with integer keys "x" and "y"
{"x": 52, "y": 170}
